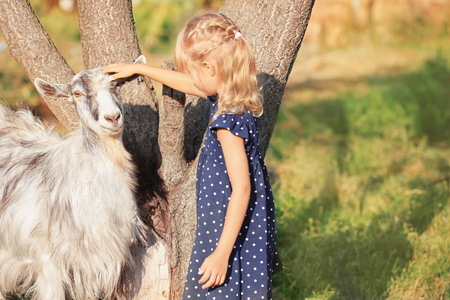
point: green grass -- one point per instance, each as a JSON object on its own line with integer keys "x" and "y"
{"x": 359, "y": 213}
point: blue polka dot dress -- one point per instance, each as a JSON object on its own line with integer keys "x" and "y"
{"x": 254, "y": 258}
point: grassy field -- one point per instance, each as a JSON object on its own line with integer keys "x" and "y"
{"x": 362, "y": 187}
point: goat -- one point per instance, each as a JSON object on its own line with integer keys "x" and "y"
{"x": 68, "y": 213}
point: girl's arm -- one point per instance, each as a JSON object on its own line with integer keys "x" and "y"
{"x": 215, "y": 266}
{"x": 174, "y": 79}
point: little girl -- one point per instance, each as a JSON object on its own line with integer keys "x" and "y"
{"x": 234, "y": 254}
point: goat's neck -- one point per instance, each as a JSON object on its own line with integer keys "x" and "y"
{"x": 112, "y": 147}
{"x": 91, "y": 139}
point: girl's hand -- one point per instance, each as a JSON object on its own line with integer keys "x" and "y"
{"x": 122, "y": 70}
{"x": 213, "y": 268}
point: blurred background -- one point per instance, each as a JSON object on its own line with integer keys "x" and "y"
{"x": 360, "y": 156}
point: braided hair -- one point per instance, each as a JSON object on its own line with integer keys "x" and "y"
{"x": 214, "y": 36}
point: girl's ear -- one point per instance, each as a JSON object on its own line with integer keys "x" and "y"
{"x": 210, "y": 67}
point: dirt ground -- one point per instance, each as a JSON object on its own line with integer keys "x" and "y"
{"x": 319, "y": 72}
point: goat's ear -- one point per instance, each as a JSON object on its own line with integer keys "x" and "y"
{"x": 141, "y": 60}
{"x": 119, "y": 82}
{"x": 52, "y": 90}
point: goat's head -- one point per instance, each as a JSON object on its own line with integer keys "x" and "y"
{"x": 96, "y": 97}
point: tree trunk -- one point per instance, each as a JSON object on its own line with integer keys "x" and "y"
{"x": 164, "y": 140}
{"x": 276, "y": 42}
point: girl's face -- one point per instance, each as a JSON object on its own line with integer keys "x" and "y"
{"x": 205, "y": 77}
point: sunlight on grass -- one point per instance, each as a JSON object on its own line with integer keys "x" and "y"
{"x": 358, "y": 213}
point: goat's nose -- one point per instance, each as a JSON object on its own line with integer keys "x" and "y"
{"x": 113, "y": 118}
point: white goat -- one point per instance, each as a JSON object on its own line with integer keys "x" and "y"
{"x": 68, "y": 214}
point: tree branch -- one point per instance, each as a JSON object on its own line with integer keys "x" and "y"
{"x": 31, "y": 47}
{"x": 446, "y": 178}
{"x": 108, "y": 35}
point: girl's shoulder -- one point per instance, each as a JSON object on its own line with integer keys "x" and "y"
{"x": 237, "y": 124}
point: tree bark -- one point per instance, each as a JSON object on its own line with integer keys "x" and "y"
{"x": 179, "y": 177}
{"x": 166, "y": 138}
{"x": 33, "y": 49}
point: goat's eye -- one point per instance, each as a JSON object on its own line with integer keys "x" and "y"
{"x": 116, "y": 84}
{"x": 77, "y": 94}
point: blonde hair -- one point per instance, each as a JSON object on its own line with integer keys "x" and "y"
{"x": 213, "y": 36}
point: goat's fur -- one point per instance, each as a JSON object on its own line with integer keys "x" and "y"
{"x": 68, "y": 214}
